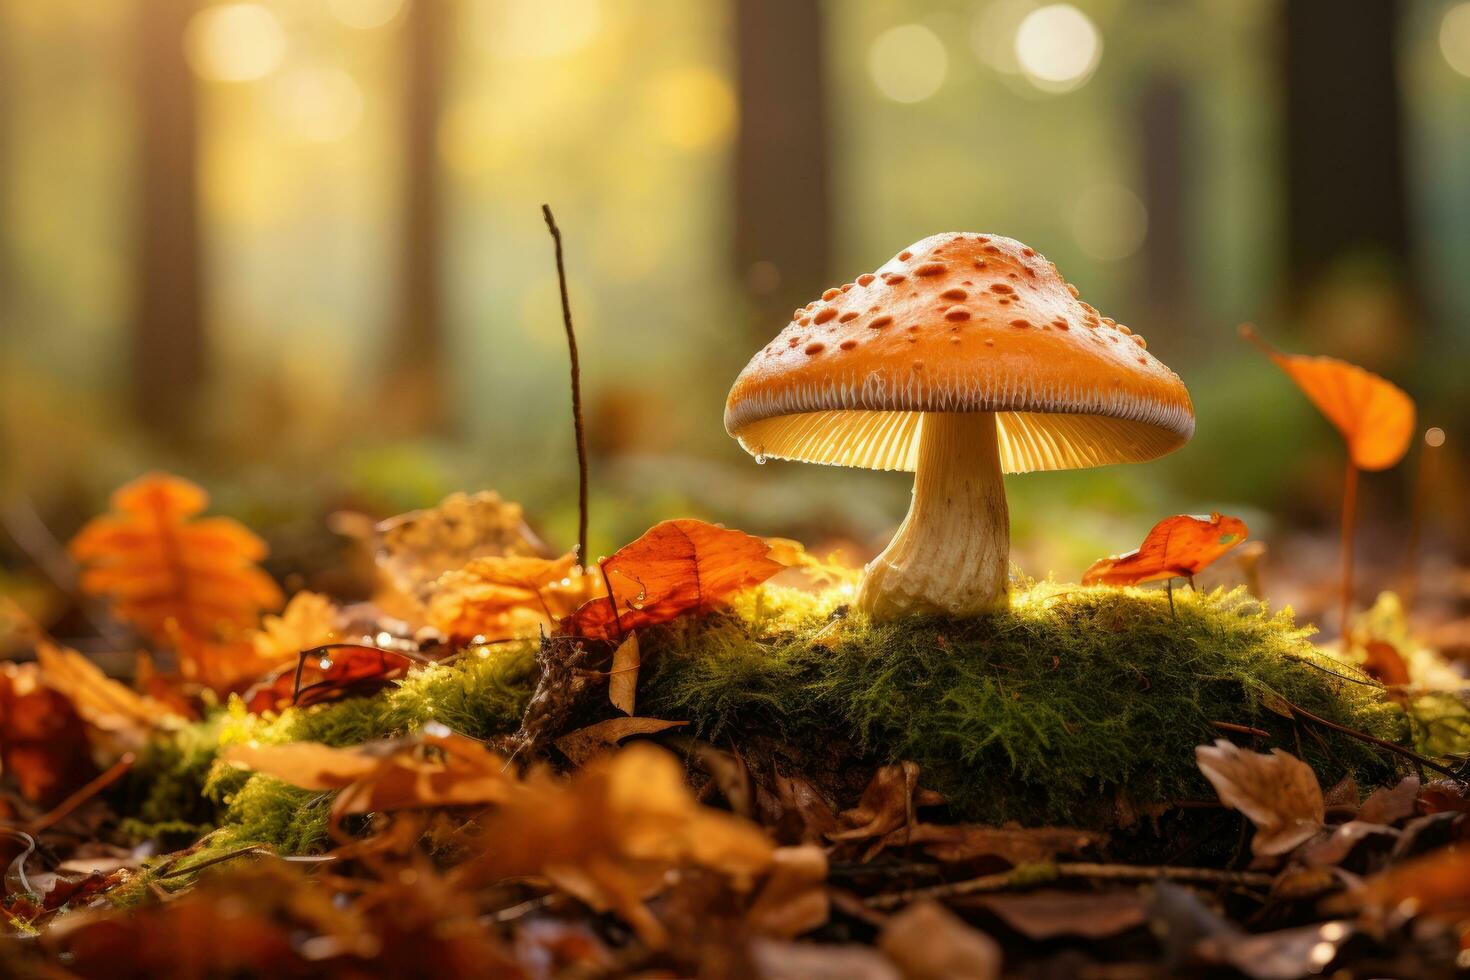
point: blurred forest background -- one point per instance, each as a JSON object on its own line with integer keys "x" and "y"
{"x": 293, "y": 250}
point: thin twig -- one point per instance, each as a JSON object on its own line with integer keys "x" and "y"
{"x": 1230, "y": 726}
{"x": 217, "y": 859}
{"x": 1372, "y": 740}
{"x": 566, "y": 316}
{"x": 1020, "y": 877}
{"x": 65, "y": 808}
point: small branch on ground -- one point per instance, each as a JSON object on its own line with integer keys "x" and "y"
{"x": 1027, "y": 875}
{"x": 566, "y": 316}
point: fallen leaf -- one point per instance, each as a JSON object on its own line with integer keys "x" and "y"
{"x": 505, "y": 596}
{"x": 101, "y": 701}
{"x": 309, "y": 765}
{"x": 1444, "y": 796}
{"x": 416, "y": 548}
{"x": 888, "y": 804}
{"x": 611, "y": 835}
{"x": 1334, "y": 847}
{"x": 801, "y": 810}
{"x": 776, "y": 959}
{"x": 1279, "y": 793}
{"x": 1436, "y": 884}
{"x": 173, "y": 574}
{"x": 676, "y": 567}
{"x": 1014, "y": 844}
{"x": 1042, "y": 915}
{"x": 329, "y": 674}
{"x": 1285, "y": 954}
{"x": 1374, "y": 416}
{"x": 585, "y": 744}
{"x": 622, "y": 683}
{"x": 1176, "y": 547}
{"x": 793, "y": 898}
{"x": 929, "y": 942}
{"x": 309, "y": 620}
{"x": 1389, "y": 805}
{"x": 1383, "y": 662}
{"x": 43, "y": 743}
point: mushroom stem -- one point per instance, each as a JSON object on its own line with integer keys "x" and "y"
{"x": 951, "y": 555}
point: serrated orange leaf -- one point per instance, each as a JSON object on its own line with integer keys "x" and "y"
{"x": 1375, "y": 416}
{"x": 167, "y": 571}
{"x": 676, "y": 567}
{"x": 506, "y": 596}
{"x": 1176, "y": 547}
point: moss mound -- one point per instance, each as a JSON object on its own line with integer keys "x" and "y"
{"x": 1047, "y": 711}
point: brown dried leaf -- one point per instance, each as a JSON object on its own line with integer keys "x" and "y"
{"x": 776, "y": 959}
{"x": 1176, "y": 547}
{"x": 1042, "y": 915}
{"x": 800, "y": 803}
{"x": 416, "y": 548}
{"x": 501, "y": 597}
{"x": 1436, "y": 884}
{"x": 585, "y": 744}
{"x": 1389, "y": 805}
{"x": 888, "y": 804}
{"x": 793, "y": 898}
{"x": 171, "y": 573}
{"x": 622, "y": 683}
{"x": 1014, "y": 844}
{"x": 676, "y": 567}
{"x": 1278, "y": 793}
{"x": 929, "y": 942}
{"x": 1383, "y": 662}
{"x": 43, "y": 743}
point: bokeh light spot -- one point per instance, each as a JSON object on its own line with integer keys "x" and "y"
{"x": 1109, "y": 222}
{"x": 1058, "y": 47}
{"x": 993, "y": 35}
{"x": 1434, "y": 437}
{"x": 520, "y": 30}
{"x": 321, "y": 105}
{"x": 908, "y": 63}
{"x": 693, "y": 108}
{"x": 234, "y": 42}
{"x": 1454, "y": 37}
{"x": 365, "y": 15}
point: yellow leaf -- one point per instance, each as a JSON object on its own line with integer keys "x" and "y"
{"x": 622, "y": 685}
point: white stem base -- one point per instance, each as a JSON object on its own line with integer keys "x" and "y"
{"x": 951, "y": 555}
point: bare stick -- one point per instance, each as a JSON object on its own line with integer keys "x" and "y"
{"x": 1019, "y": 877}
{"x": 566, "y": 316}
{"x": 64, "y": 809}
{"x": 1409, "y": 754}
{"x": 1349, "y": 522}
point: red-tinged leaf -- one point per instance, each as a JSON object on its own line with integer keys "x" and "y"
{"x": 330, "y": 673}
{"x": 43, "y": 742}
{"x": 676, "y": 567}
{"x": 1176, "y": 547}
{"x": 1382, "y": 661}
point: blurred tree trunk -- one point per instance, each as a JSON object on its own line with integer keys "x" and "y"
{"x": 168, "y": 343}
{"x": 1347, "y": 211}
{"x": 417, "y": 372}
{"x": 783, "y": 208}
{"x": 1163, "y": 118}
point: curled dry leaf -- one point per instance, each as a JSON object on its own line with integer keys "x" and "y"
{"x": 1375, "y": 417}
{"x": 611, "y": 834}
{"x": 622, "y": 682}
{"x": 1177, "y": 547}
{"x": 587, "y": 743}
{"x": 309, "y": 620}
{"x": 886, "y": 812}
{"x": 43, "y": 744}
{"x": 1383, "y": 662}
{"x": 676, "y": 567}
{"x": 1390, "y": 804}
{"x": 416, "y": 548}
{"x": 329, "y": 674}
{"x": 506, "y": 596}
{"x": 102, "y": 702}
{"x": 159, "y": 563}
{"x": 929, "y": 942}
{"x": 1279, "y": 793}
{"x": 793, "y": 898}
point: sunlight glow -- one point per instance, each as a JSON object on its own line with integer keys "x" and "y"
{"x": 1058, "y": 47}
{"x": 365, "y": 15}
{"x": 1454, "y": 38}
{"x": 321, "y": 105}
{"x": 234, "y": 42}
{"x": 693, "y": 108}
{"x": 908, "y": 63}
{"x": 994, "y": 32}
{"x": 1109, "y": 222}
{"x": 523, "y": 30}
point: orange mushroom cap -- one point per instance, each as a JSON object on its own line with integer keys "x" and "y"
{"x": 958, "y": 322}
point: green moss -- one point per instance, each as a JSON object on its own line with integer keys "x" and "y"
{"x": 180, "y": 789}
{"x": 1035, "y": 713}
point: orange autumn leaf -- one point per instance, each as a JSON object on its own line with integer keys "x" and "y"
{"x": 44, "y": 749}
{"x": 167, "y": 571}
{"x": 505, "y": 596}
{"x": 1176, "y": 547}
{"x": 1375, "y": 416}
{"x": 676, "y": 567}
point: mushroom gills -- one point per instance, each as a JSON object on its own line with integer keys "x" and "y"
{"x": 951, "y": 555}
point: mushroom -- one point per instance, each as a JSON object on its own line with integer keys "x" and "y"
{"x": 964, "y": 357}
